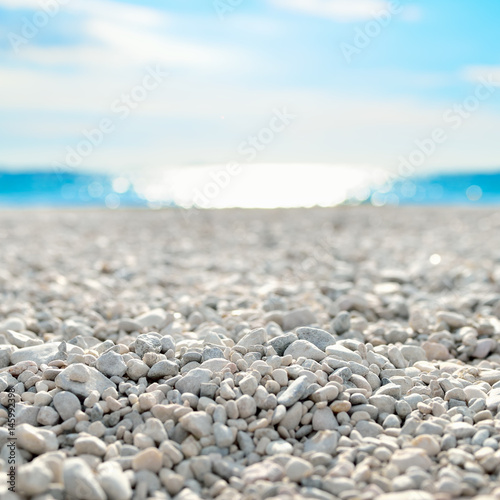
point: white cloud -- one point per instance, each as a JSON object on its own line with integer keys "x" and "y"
{"x": 115, "y": 35}
{"x": 110, "y": 45}
{"x": 339, "y": 10}
{"x": 139, "y": 46}
{"x": 102, "y": 8}
{"x": 134, "y": 15}
{"x": 20, "y": 4}
{"x": 352, "y": 10}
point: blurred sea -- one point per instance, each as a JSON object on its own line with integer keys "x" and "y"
{"x": 264, "y": 188}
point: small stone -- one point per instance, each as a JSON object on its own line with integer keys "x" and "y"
{"x": 436, "y": 351}
{"x": 474, "y": 392}
{"x": 480, "y": 437}
{"x": 192, "y": 381}
{"x": 454, "y": 320}
{"x": 79, "y": 481}
{"x": 340, "y": 406}
{"x": 97, "y": 429}
{"x": 245, "y": 442}
{"x": 173, "y": 482}
{"x": 327, "y": 393}
{"x": 266, "y": 471}
{"x": 149, "y": 459}
{"x": 26, "y": 414}
{"x": 392, "y": 422}
{"x": 47, "y": 416}
{"x": 483, "y": 348}
{"x": 279, "y": 447}
{"x": 340, "y": 352}
{"x": 36, "y": 441}
{"x": 224, "y": 436}
{"x": 303, "y": 348}
{"x": 129, "y": 325}
{"x": 15, "y": 324}
{"x": 299, "y": 317}
{"x": 42, "y": 398}
{"x": 66, "y": 404}
{"x": 147, "y": 401}
{"x": 90, "y": 445}
{"x": 395, "y": 336}
{"x": 322, "y": 442}
{"x": 428, "y": 443}
{"x": 212, "y": 353}
{"x": 40, "y": 354}
{"x": 18, "y": 339}
{"x": 461, "y": 430}
{"x": 147, "y": 342}
{"x": 152, "y": 319}
{"x": 403, "y": 409}
{"x": 163, "y": 369}
{"x": 449, "y": 485}
{"x": 396, "y": 358}
{"x": 255, "y": 337}
{"x": 72, "y": 329}
{"x": 324, "y": 419}
{"x": 294, "y": 391}
{"x": 137, "y": 369}
{"x": 418, "y": 322}
{"x": 247, "y": 406}
{"x": 429, "y": 427}
{"x": 408, "y": 495}
{"x": 298, "y": 469}
{"x": 248, "y": 385}
{"x": 320, "y": 338}
{"x": 33, "y": 478}
{"x": 91, "y": 400}
{"x": 281, "y": 343}
{"x": 367, "y": 428}
{"x": 292, "y": 417}
{"x": 393, "y": 390}
{"x": 167, "y": 343}
{"x": 455, "y": 393}
{"x": 384, "y": 403}
{"x": 413, "y": 353}
{"x": 407, "y": 457}
{"x": 197, "y": 423}
{"x": 113, "y": 481}
{"x": 79, "y": 373}
{"x": 217, "y": 365}
{"x": 111, "y": 363}
{"x": 5, "y": 353}
{"x": 342, "y": 322}
{"x": 82, "y": 380}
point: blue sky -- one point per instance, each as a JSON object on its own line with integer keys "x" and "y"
{"x": 226, "y": 72}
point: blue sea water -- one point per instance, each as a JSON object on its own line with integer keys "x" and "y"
{"x": 68, "y": 189}
{"x": 54, "y": 189}
{"x": 449, "y": 189}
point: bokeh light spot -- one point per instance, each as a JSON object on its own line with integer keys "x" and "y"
{"x": 474, "y": 193}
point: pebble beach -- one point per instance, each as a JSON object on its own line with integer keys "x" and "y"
{"x": 349, "y": 353}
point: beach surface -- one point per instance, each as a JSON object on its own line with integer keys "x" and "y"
{"x": 345, "y": 353}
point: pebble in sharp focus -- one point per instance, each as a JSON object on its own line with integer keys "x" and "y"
{"x": 250, "y": 354}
